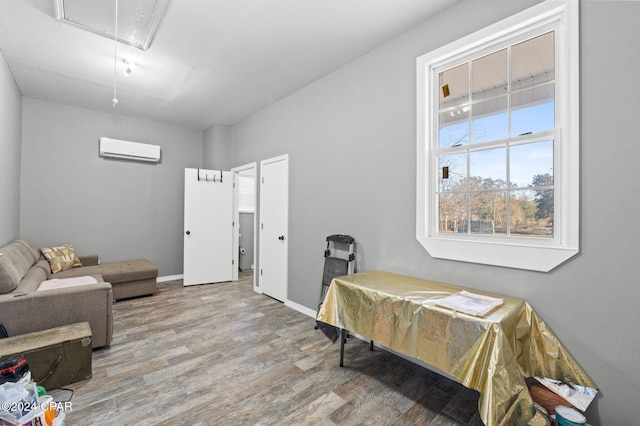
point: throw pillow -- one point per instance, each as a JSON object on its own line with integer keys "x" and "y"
{"x": 61, "y": 257}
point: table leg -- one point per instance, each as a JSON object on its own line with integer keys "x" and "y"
{"x": 343, "y": 337}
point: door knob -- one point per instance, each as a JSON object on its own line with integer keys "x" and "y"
{"x": 188, "y": 232}
{"x": 281, "y": 237}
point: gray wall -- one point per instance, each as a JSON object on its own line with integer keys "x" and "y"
{"x": 216, "y": 147}
{"x": 10, "y": 134}
{"x": 246, "y": 239}
{"x": 351, "y": 137}
{"x": 114, "y": 208}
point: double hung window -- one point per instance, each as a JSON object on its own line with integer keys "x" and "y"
{"x": 498, "y": 142}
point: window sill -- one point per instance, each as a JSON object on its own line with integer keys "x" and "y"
{"x": 509, "y": 255}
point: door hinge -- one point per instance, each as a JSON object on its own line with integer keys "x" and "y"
{"x": 262, "y": 226}
{"x": 260, "y": 271}
{"x": 262, "y": 180}
{"x": 233, "y": 262}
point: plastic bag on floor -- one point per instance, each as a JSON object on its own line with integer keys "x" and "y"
{"x": 19, "y": 403}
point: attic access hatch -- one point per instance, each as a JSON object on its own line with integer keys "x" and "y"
{"x": 137, "y": 19}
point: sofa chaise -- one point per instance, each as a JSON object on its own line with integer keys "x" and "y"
{"x": 24, "y": 309}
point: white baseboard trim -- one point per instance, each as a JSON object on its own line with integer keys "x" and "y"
{"x": 169, "y": 278}
{"x": 302, "y": 309}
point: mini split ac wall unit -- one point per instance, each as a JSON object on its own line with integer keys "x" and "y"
{"x": 125, "y": 150}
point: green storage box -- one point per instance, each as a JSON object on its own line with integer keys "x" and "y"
{"x": 57, "y": 356}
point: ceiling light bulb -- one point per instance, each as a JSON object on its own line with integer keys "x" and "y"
{"x": 129, "y": 67}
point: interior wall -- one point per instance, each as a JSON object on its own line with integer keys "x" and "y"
{"x": 216, "y": 147}
{"x": 246, "y": 240}
{"x": 351, "y": 139}
{"x": 10, "y": 136}
{"x": 118, "y": 209}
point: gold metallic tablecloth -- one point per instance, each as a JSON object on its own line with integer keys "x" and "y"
{"x": 493, "y": 354}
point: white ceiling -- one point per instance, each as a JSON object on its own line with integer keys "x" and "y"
{"x": 211, "y": 61}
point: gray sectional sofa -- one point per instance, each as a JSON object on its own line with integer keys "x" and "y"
{"x": 24, "y": 309}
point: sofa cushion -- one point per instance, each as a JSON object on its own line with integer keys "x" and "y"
{"x": 117, "y": 272}
{"x": 29, "y": 248}
{"x": 56, "y": 283}
{"x": 61, "y": 257}
{"x": 31, "y": 281}
{"x": 44, "y": 265}
{"x": 9, "y": 275}
{"x": 17, "y": 257}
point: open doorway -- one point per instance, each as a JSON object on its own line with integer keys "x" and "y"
{"x": 245, "y": 216}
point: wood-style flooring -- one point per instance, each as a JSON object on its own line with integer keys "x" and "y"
{"x": 221, "y": 354}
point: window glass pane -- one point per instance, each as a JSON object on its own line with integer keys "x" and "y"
{"x": 531, "y": 213}
{"x": 454, "y": 128}
{"x": 452, "y": 172}
{"x": 488, "y": 169}
{"x": 452, "y": 213}
{"x": 533, "y": 110}
{"x": 490, "y": 120}
{"x": 531, "y": 164}
{"x": 489, "y": 75}
{"x": 533, "y": 61}
{"x": 247, "y": 193}
{"x": 454, "y": 86}
{"x": 488, "y": 212}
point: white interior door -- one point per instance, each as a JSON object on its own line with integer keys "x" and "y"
{"x": 274, "y": 223}
{"x": 208, "y": 226}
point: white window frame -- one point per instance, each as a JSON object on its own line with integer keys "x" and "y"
{"x": 536, "y": 254}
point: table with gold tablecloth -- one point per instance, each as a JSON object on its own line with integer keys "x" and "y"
{"x": 492, "y": 354}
